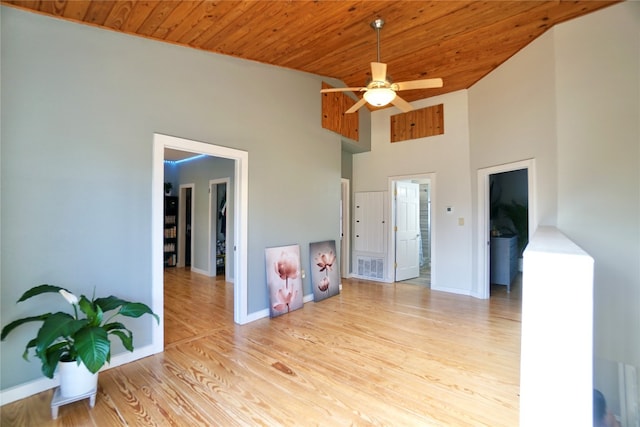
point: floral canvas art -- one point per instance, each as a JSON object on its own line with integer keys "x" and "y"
{"x": 284, "y": 279}
{"x": 325, "y": 279}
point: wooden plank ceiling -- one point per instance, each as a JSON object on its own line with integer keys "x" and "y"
{"x": 459, "y": 41}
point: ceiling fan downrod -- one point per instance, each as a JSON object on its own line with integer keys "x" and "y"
{"x": 377, "y": 25}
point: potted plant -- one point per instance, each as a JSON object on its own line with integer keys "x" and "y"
{"x": 167, "y": 188}
{"x": 81, "y": 340}
{"x": 518, "y": 215}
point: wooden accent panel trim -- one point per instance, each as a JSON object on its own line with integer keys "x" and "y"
{"x": 418, "y": 123}
{"x": 334, "y": 105}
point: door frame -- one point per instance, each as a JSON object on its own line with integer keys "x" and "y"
{"x": 391, "y": 255}
{"x": 182, "y": 221}
{"x": 345, "y": 238}
{"x": 213, "y": 216}
{"x": 240, "y": 223}
{"x": 484, "y": 238}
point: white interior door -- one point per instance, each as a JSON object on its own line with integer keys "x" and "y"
{"x": 407, "y": 230}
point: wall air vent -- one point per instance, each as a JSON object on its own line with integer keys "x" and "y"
{"x": 370, "y": 268}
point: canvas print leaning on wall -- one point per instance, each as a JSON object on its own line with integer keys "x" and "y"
{"x": 325, "y": 279}
{"x": 284, "y": 279}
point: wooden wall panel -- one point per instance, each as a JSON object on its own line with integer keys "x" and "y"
{"x": 418, "y": 123}
{"x": 334, "y": 105}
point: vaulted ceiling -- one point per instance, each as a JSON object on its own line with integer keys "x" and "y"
{"x": 459, "y": 41}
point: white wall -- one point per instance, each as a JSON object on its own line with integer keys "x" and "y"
{"x": 598, "y": 106}
{"x": 80, "y": 106}
{"x": 570, "y": 100}
{"x": 447, "y": 156}
{"x": 199, "y": 172}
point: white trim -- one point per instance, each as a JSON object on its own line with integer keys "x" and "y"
{"x": 431, "y": 176}
{"x": 213, "y": 268}
{"x": 29, "y": 388}
{"x": 157, "y": 224}
{"x": 354, "y": 275}
{"x": 240, "y": 222}
{"x": 261, "y": 314}
{"x": 457, "y": 291}
{"x": 483, "y": 286}
{"x": 182, "y": 221}
{"x": 345, "y": 249}
{"x": 199, "y": 271}
{"x": 257, "y": 315}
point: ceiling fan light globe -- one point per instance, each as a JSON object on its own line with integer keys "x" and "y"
{"x": 379, "y": 97}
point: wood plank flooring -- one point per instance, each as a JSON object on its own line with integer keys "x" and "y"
{"x": 377, "y": 354}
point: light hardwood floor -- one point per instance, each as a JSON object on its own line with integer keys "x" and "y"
{"x": 377, "y": 354}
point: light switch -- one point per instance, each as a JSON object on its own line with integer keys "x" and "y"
{"x": 460, "y": 221}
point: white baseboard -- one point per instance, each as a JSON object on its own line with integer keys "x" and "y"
{"x": 199, "y": 271}
{"x": 457, "y": 291}
{"x": 256, "y": 315}
{"x": 30, "y": 388}
{"x": 371, "y": 279}
{"x": 27, "y": 389}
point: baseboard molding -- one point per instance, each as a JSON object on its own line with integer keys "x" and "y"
{"x": 478, "y": 295}
{"x": 256, "y": 315}
{"x": 30, "y": 388}
{"x": 458, "y": 291}
{"x": 199, "y": 271}
{"x": 370, "y": 279}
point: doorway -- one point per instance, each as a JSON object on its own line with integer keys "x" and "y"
{"x": 218, "y": 231}
{"x": 485, "y": 226}
{"x": 411, "y": 238}
{"x": 240, "y": 223}
{"x": 186, "y": 202}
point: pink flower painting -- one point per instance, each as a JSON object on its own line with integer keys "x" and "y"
{"x": 325, "y": 279}
{"x": 284, "y": 279}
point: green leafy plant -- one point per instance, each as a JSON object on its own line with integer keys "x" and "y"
{"x": 519, "y": 217}
{"x": 66, "y": 337}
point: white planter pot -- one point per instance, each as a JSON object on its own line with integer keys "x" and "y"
{"x": 76, "y": 379}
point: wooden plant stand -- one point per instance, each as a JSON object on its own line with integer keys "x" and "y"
{"x": 58, "y": 400}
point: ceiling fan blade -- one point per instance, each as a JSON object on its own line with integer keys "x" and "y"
{"x": 378, "y": 71}
{"x": 419, "y": 84}
{"x": 341, "y": 89}
{"x": 402, "y": 104}
{"x": 356, "y": 106}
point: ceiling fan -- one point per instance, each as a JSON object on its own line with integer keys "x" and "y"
{"x": 381, "y": 90}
